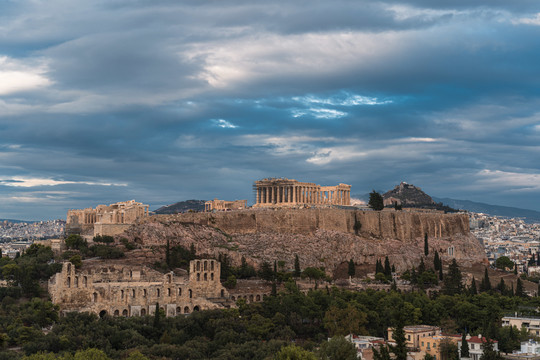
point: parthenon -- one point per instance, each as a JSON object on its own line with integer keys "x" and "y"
{"x": 274, "y": 192}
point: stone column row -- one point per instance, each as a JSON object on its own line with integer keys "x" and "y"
{"x": 298, "y": 194}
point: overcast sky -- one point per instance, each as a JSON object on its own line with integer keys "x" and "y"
{"x": 161, "y": 101}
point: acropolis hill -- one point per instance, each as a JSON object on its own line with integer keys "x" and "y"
{"x": 320, "y": 236}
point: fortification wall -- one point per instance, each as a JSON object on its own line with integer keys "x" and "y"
{"x": 386, "y": 224}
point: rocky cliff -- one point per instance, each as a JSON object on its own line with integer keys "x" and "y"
{"x": 320, "y": 237}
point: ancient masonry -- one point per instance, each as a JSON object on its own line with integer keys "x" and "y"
{"x": 121, "y": 290}
{"x": 224, "y": 205}
{"x": 105, "y": 219}
{"x": 289, "y": 192}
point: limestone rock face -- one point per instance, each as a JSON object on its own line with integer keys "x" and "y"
{"x": 320, "y": 237}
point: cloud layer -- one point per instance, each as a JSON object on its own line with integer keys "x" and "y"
{"x": 162, "y": 101}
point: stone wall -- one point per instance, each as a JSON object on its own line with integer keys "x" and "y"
{"x": 386, "y": 224}
{"x": 110, "y": 229}
{"x": 121, "y": 290}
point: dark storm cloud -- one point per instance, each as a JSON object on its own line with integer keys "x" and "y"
{"x": 165, "y": 100}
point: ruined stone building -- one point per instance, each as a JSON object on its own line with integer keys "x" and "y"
{"x": 105, "y": 219}
{"x": 121, "y": 290}
{"x": 224, "y": 205}
{"x": 278, "y": 192}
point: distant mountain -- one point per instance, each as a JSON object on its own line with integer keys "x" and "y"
{"x": 496, "y": 210}
{"x": 408, "y": 195}
{"x": 17, "y": 221}
{"x": 181, "y": 206}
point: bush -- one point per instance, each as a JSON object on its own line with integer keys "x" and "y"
{"x": 104, "y": 239}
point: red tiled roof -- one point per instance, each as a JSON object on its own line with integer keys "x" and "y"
{"x": 477, "y": 340}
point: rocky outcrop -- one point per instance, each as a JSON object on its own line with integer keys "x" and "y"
{"x": 320, "y": 237}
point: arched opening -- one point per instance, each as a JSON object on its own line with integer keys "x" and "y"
{"x": 186, "y": 310}
{"x": 143, "y": 312}
{"x": 196, "y": 308}
{"x": 125, "y": 313}
{"x": 222, "y": 293}
{"x": 198, "y": 277}
{"x": 233, "y": 298}
{"x": 144, "y": 293}
{"x": 258, "y": 298}
{"x": 169, "y": 278}
{"x": 94, "y": 297}
{"x": 133, "y": 293}
{"x": 198, "y": 266}
{"x": 131, "y": 274}
{"x": 68, "y": 281}
{"x": 190, "y": 293}
{"x": 168, "y": 291}
{"x": 205, "y": 266}
{"x": 212, "y": 265}
{"x": 178, "y": 310}
{"x": 205, "y": 277}
{"x": 76, "y": 282}
{"x": 121, "y": 294}
{"x": 158, "y": 292}
{"x": 116, "y": 313}
{"x": 85, "y": 281}
{"x": 179, "y": 291}
{"x": 69, "y": 267}
{"x": 212, "y": 276}
{"x": 102, "y": 313}
{"x": 250, "y": 298}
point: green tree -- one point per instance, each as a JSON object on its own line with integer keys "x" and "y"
{"x": 345, "y": 321}
{"x": 400, "y": 349}
{"x": 90, "y": 354}
{"x": 376, "y": 201}
{"x": 156, "y": 316}
{"x": 436, "y": 260}
{"x": 520, "y": 291}
{"x": 488, "y": 352}
{"x": 351, "y": 271}
{"x": 387, "y": 269}
{"x": 74, "y": 241}
{"x": 293, "y": 352}
{"x": 472, "y": 289}
{"x": 464, "y": 345}
{"x": 76, "y": 260}
{"x": 426, "y": 246}
{"x": 504, "y": 262}
{"x": 383, "y": 353}
{"x": 266, "y": 272}
{"x": 453, "y": 281}
{"x": 337, "y": 348}
{"x": 449, "y": 350}
{"x": 297, "y": 269}
{"x": 485, "y": 285}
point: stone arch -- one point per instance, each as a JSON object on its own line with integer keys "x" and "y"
{"x": 94, "y": 297}
{"x": 121, "y": 294}
{"x": 179, "y": 291}
{"x": 196, "y": 308}
{"x": 143, "y": 312}
{"x": 69, "y": 267}
{"x": 158, "y": 292}
{"x": 258, "y": 298}
{"x": 144, "y": 293}
{"x": 76, "y": 281}
{"x": 85, "y": 281}
{"x": 233, "y": 298}
{"x": 198, "y": 266}
{"x": 168, "y": 291}
{"x": 125, "y": 313}
{"x": 198, "y": 277}
{"x": 178, "y": 310}
{"x": 205, "y": 277}
{"x": 250, "y": 298}
{"x": 102, "y": 313}
{"x": 212, "y": 276}
{"x": 190, "y": 293}
{"x": 222, "y": 293}
{"x": 68, "y": 281}
{"x": 186, "y": 310}
{"x": 205, "y": 265}
{"x": 212, "y": 265}
{"x": 133, "y": 293}
{"x": 116, "y": 313}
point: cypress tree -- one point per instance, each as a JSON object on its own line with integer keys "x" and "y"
{"x": 274, "y": 288}
{"x": 538, "y": 261}
{"x": 414, "y": 278}
{"x": 387, "y": 268}
{"x": 378, "y": 267}
{"x": 452, "y": 281}
{"x": 192, "y": 251}
{"x": 352, "y": 269}
{"x": 464, "y": 345}
{"x": 502, "y": 287}
{"x": 440, "y": 274}
{"x": 426, "y": 247}
{"x": 156, "y": 316}
{"x": 400, "y": 349}
{"x": 515, "y": 270}
{"x": 421, "y": 267}
{"x": 436, "y": 260}
{"x": 520, "y": 292}
{"x": 486, "y": 283}
{"x": 512, "y": 290}
{"x": 473, "y": 290}
{"x": 297, "y": 270}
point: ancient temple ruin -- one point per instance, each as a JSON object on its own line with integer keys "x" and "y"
{"x": 278, "y": 192}
{"x": 121, "y": 290}
{"x": 105, "y": 219}
{"x": 224, "y": 205}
